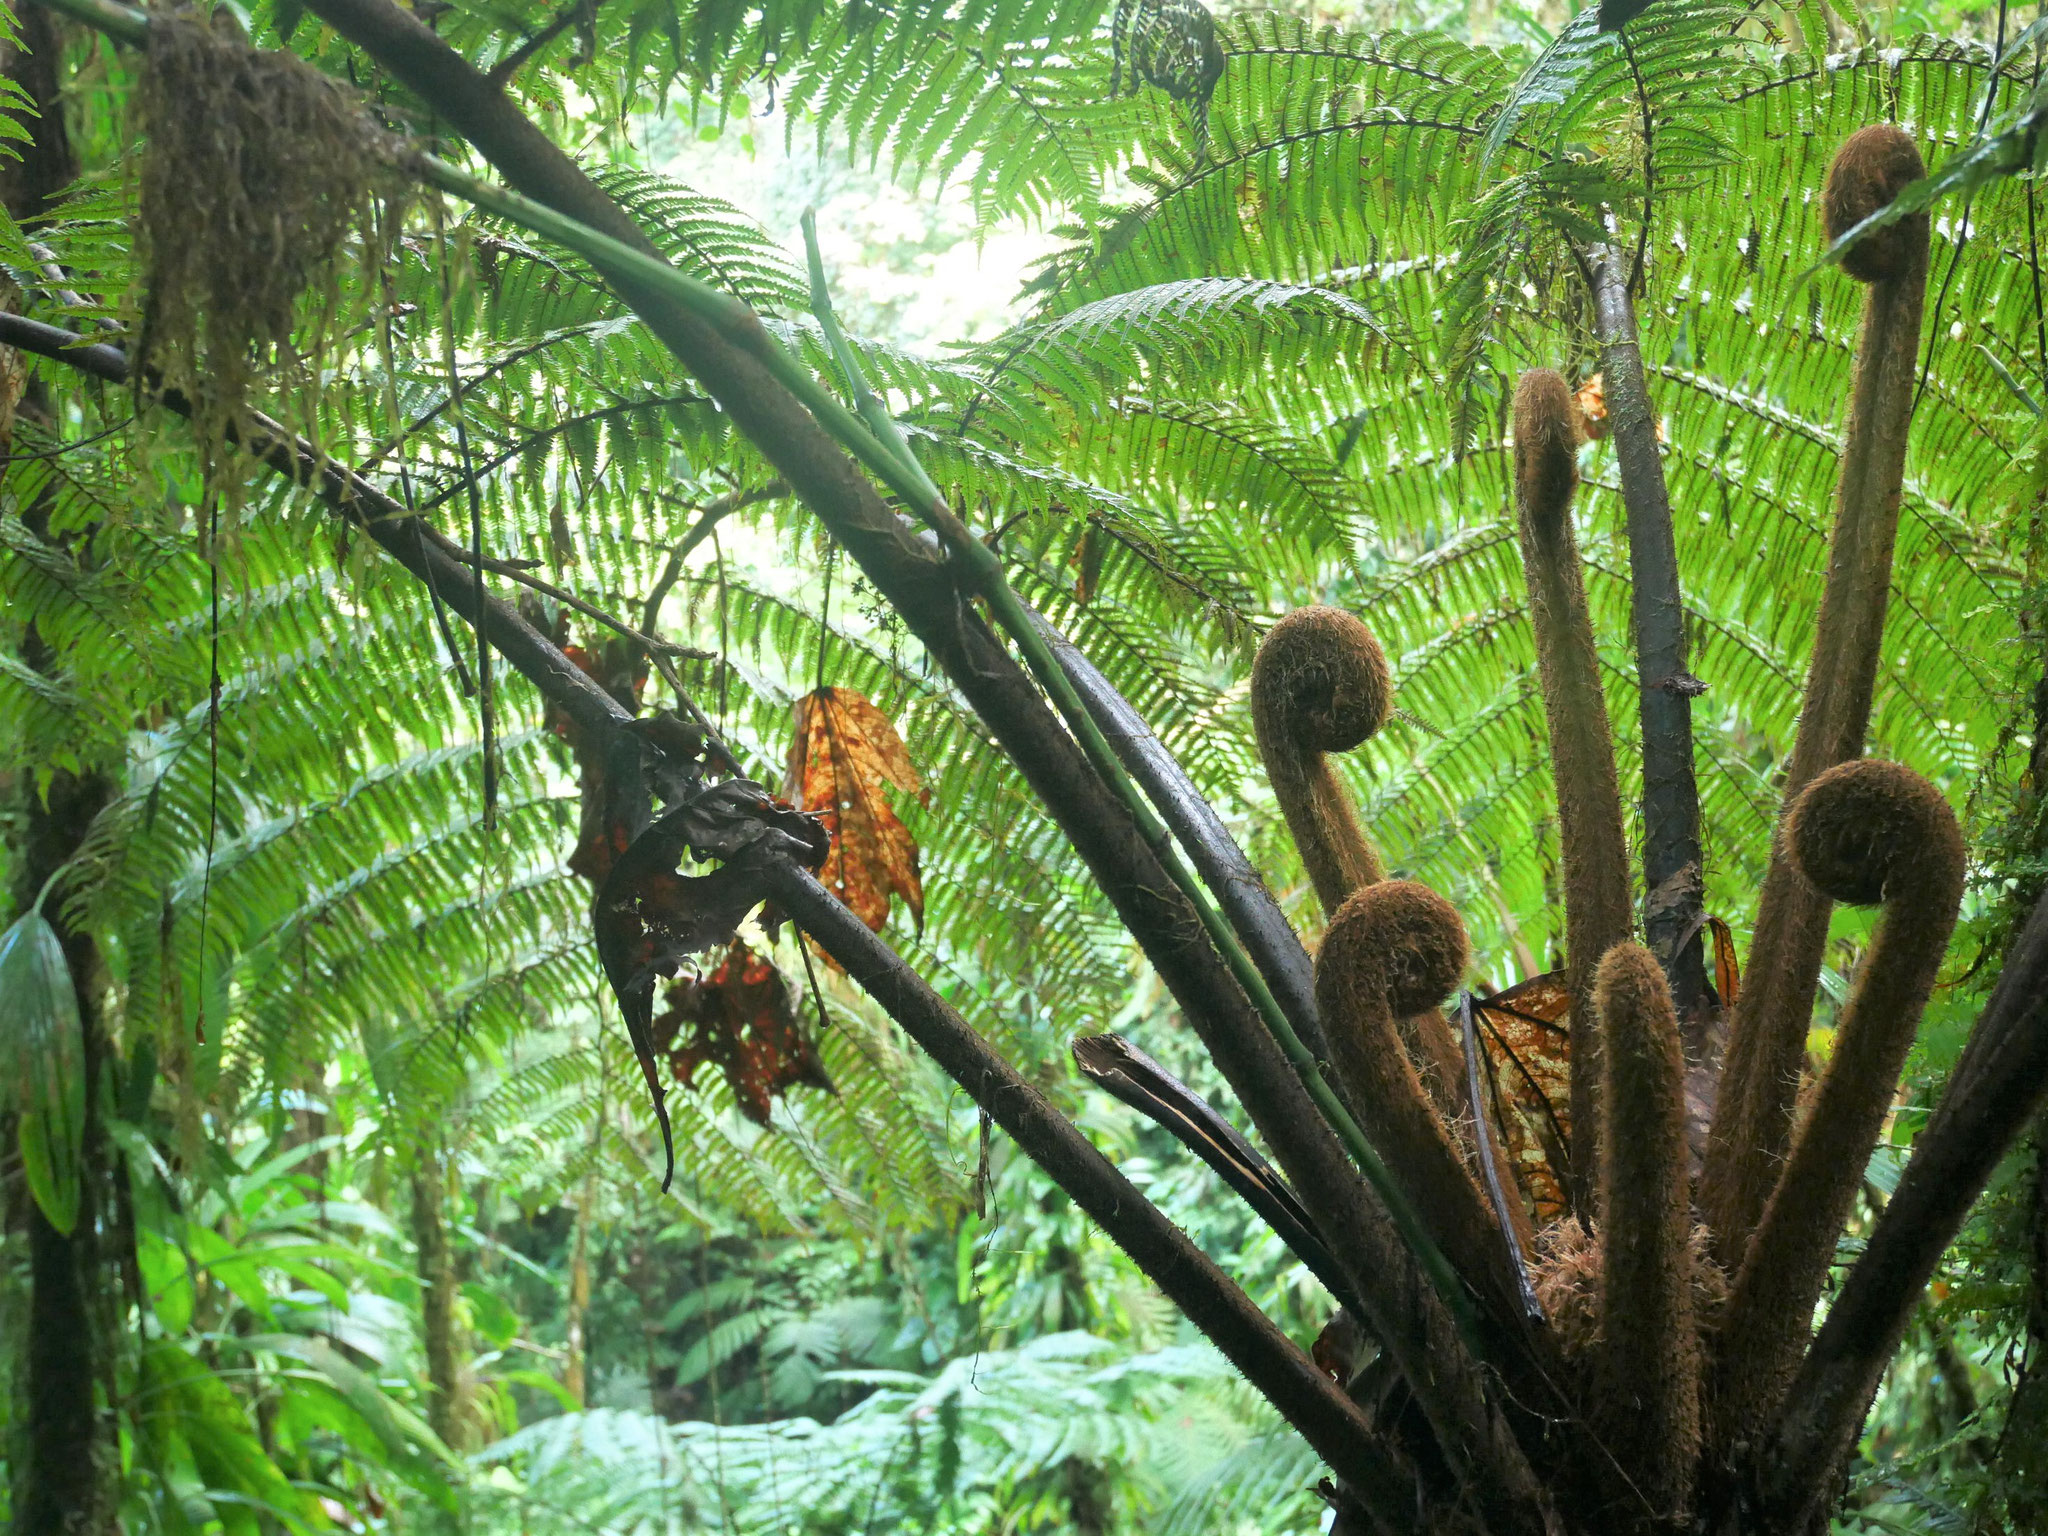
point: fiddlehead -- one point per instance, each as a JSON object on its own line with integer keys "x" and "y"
{"x": 1393, "y": 952}
{"x": 1863, "y": 832}
{"x": 1596, "y": 880}
{"x": 1320, "y": 684}
{"x": 1753, "y": 1120}
{"x": 1649, "y": 1355}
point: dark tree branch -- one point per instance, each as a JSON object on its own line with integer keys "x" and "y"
{"x": 912, "y": 575}
{"x": 1671, "y": 799}
{"x": 1995, "y": 1090}
{"x": 1304, "y": 1396}
{"x": 421, "y": 549}
{"x": 707, "y": 522}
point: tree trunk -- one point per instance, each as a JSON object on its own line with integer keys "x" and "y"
{"x": 65, "y": 1474}
{"x": 437, "y": 1299}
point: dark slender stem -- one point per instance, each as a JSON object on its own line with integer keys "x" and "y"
{"x": 1489, "y": 1163}
{"x": 1671, "y": 801}
{"x": 458, "y": 413}
{"x": 1635, "y": 69}
{"x": 707, "y": 523}
{"x": 1995, "y": 1090}
{"x": 468, "y": 480}
{"x": 1307, "y": 1399}
{"x": 1134, "y": 1078}
{"x": 503, "y": 71}
{"x": 1270, "y": 940}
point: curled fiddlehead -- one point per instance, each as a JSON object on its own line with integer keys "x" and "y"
{"x": 1753, "y": 1120}
{"x": 1320, "y": 684}
{"x": 1393, "y": 952}
{"x": 1864, "y": 832}
{"x": 1596, "y": 880}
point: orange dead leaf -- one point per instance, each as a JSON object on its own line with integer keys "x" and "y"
{"x": 1727, "y": 972}
{"x": 1526, "y": 1034}
{"x": 845, "y": 757}
{"x": 1591, "y": 399}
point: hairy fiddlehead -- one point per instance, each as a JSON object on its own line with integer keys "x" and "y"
{"x": 1596, "y": 880}
{"x": 1320, "y": 684}
{"x": 1863, "y": 832}
{"x": 1393, "y": 952}
{"x": 1649, "y": 1355}
{"x": 1752, "y": 1123}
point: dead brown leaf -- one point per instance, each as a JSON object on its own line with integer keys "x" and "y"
{"x": 845, "y": 758}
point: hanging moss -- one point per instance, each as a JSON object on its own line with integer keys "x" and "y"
{"x": 257, "y": 169}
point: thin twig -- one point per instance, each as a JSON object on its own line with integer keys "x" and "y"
{"x": 501, "y": 73}
{"x": 707, "y": 521}
{"x": 514, "y": 570}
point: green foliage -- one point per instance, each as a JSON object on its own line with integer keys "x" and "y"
{"x": 1263, "y": 370}
{"x": 40, "y": 1061}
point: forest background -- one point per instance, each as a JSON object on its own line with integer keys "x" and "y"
{"x": 393, "y": 1249}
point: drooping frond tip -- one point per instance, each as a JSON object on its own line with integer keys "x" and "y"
{"x": 1871, "y": 168}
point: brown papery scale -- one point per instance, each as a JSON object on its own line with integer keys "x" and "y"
{"x": 1395, "y": 950}
{"x": 1595, "y": 848}
{"x": 1862, "y": 833}
{"x": 1767, "y": 1038}
{"x": 1649, "y": 1358}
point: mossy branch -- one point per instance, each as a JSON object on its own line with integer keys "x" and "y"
{"x": 1753, "y": 1121}
{"x": 1863, "y": 832}
{"x": 1598, "y": 913}
{"x": 1649, "y": 1359}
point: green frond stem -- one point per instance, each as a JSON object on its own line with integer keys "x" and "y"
{"x": 1240, "y": 889}
{"x": 1992, "y": 1096}
{"x": 1310, "y": 1401}
{"x": 1672, "y": 890}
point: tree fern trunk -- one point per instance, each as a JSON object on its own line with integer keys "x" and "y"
{"x": 1671, "y": 799}
{"x": 64, "y": 1460}
{"x": 437, "y": 1299}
